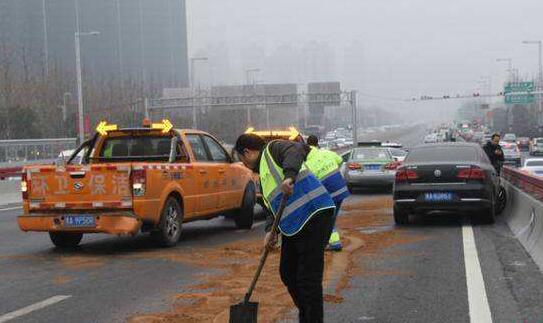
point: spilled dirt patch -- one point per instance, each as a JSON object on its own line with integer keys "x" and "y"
{"x": 209, "y": 300}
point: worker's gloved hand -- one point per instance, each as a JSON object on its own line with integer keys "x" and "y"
{"x": 287, "y": 187}
{"x": 270, "y": 241}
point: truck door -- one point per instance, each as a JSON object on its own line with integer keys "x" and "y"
{"x": 205, "y": 176}
{"x": 224, "y": 175}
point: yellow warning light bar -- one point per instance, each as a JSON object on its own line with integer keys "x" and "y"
{"x": 103, "y": 128}
{"x": 291, "y": 133}
{"x": 165, "y": 126}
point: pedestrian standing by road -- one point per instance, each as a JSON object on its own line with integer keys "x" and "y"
{"x": 495, "y": 152}
{"x": 305, "y": 225}
{"x": 325, "y": 165}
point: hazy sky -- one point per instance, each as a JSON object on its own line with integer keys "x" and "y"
{"x": 410, "y": 47}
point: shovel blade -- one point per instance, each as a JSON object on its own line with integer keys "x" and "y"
{"x": 244, "y": 312}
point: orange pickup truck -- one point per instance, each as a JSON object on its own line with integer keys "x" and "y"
{"x": 150, "y": 179}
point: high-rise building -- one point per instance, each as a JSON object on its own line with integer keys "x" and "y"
{"x": 141, "y": 40}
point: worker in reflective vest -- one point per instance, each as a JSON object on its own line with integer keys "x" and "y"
{"x": 325, "y": 165}
{"x": 306, "y": 219}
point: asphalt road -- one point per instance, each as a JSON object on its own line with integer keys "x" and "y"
{"x": 425, "y": 280}
{"x": 424, "y": 274}
{"x": 107, "y": 279}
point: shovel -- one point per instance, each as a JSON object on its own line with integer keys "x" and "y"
{"x": 246, "y": 311}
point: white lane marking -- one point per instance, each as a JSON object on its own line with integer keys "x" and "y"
{"x": 33, "y": 307}
{"x": 11, "y": 208}
{"x": 479, "y": 310}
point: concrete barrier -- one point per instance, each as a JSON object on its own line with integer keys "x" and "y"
{"x": 10, "y": 192}
{"x": 523, "y": 213}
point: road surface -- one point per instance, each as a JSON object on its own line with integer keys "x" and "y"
{"x": 440, "y": 268}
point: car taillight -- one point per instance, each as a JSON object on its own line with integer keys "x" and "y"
{"x": 403, "y": 175}
{"x": 138, "y": 177}
{"x": 354, "y": 166}
{"x": 472, "y": 173}
{"x": 25, "y": 186}
{"x": 392, "y": 165}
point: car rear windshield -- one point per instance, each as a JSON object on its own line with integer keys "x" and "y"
{"x": 534, "y": 163}
{"x": 370, "y": 153}
{"x": 442, "y": 154}
{"x": 137, "y": 147}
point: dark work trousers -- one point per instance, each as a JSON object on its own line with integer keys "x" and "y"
{"x": 302, "y": 265}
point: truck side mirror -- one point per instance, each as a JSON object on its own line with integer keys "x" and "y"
{"x": 173, "y": 150}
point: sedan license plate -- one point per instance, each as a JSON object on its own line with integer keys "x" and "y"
{"x": 372, "y": 167}
{"x": 79, "y": 221}
{"x": 438, "y": 197}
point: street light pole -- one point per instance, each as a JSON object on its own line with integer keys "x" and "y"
{"x": 510, "y": 66}
{"x": 80, "y": 81}
{"x": 194, "y": 114}
{"x": 540, "y": 75}
{"x": 45, "y": 37}
{"x": 540, "y": 58}
{"x": 247, "y": 73}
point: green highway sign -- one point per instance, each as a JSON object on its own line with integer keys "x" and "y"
{"x": 519, "y": 93}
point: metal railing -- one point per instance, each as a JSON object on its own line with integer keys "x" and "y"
{"x": 23, "y": 150}
{"x": 526, "y": 182}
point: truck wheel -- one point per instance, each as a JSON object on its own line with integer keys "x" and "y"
{"x": 170, "y": 225}
{"x": 401, "y": 217}
{"x": 244, "y": 216}
{"x": 65, "y": 239}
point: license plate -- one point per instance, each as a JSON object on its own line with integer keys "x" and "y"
{"x": 372, "y": 167}
{"x": 438, "y": 197}
{"x": 79, "y": 221}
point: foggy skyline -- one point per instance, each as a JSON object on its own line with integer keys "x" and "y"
{"x": 408, "y": 48}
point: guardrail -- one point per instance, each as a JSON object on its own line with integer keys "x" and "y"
{"x": 530, "y": 184}
{"x": 524, "y": 210}
{"x": 10, "y": 172}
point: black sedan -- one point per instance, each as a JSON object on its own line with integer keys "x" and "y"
{"x": 447, "y": 177}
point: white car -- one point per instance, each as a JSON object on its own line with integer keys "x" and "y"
{"x": 533, "y": 166}
{"x": 398, "y": 154}
{"x": 430, "y": 139}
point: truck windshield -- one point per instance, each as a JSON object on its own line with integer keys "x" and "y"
{"x": 138, "y": 148}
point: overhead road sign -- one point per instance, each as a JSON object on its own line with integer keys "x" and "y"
{"x": 519, "y": 93}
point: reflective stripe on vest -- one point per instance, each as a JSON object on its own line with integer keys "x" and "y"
{"x": 308, "y": 198}
{"x": 326, "y": 170}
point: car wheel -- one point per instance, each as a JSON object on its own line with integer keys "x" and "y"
{"x": 170, "y": 225}
{"x": 501, "y": 200}
{"x": 244, "y": 216}
{"x": 65, "y": 239}
{"x": 401, "y": 217}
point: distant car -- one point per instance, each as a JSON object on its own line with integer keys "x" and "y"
{"x": 536, "y": 147}
{"x": 486, "y": 138}
{"x": 430, "y": 139}
{"x": 523, "y": 143}
{"x": 511, "y": 154}
{"x": 390, "y": 144}
{"x": 478, "y": 137}
{"x": 398, "y": 154}
{"x": 446, "y": 177}
{"x": 533, "y": 166}
{"x": 369, "y": 167}
{"x": 65, "y": 155}
{"x": 510, "y": 137}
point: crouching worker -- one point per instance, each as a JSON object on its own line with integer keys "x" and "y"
{"x": 306, "y": 221}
